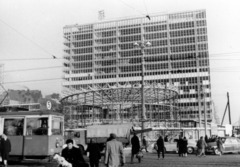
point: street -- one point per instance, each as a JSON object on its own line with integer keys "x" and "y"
{"x": 171, "y": 160}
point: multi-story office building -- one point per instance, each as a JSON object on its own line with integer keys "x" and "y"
{"x": 103, "y": 52}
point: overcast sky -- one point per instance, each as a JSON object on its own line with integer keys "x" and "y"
{"x": 33, "y": 29}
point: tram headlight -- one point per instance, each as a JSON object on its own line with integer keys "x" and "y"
{"x": 57, "y": 144}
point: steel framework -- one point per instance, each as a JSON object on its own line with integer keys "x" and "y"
{"x": 118, "y": 103}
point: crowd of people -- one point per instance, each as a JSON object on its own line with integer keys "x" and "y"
{"x": 114, "y": 155}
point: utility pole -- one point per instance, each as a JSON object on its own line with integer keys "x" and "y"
{"x": 205, "y": 114}
{"x": 142, "y": 45}
{"x": 229, "y": 112}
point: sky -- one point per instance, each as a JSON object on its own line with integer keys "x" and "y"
{"x": 31, "y": 32}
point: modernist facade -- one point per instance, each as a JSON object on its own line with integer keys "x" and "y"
{"x": 103, "y": 52}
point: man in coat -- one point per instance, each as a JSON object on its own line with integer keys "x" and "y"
{"x": 5, "y": 149}
{"x": 135, "y": 146}
{"x": 94, "y": 153}
{"x": 184, "y": 146}
{"x": 201, "y": 144}
{"x": 73, "y": 155}
{"x": 160, "y": 147}
{"x": 114, "y": 153}
{"x": 220, "y": 146}
{"x": 180, "y": 146}
{"x": 144, "y": 143}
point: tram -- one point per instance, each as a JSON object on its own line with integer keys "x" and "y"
{"x": 35, "y": 134}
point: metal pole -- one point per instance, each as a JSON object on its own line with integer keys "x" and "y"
{"x": 143, "y": 98}
{"x": 205, "y": 114}
{"x": 199, "y": 96}
{"x": 93, "y": 107}
{"x": 229, "y": 112}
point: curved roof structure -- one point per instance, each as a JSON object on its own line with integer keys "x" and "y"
{"x": 127, "y": 94}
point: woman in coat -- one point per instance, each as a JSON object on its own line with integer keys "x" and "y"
{"x": 94, "y": 153}
{"x": 184, "y": 146}
{"x": 5, "y": 149}
{"x": 135, "y": 146}
{"x": 180, "y": 146}
{"x": 160, "y": 147}
{"x": 220, "y": 146}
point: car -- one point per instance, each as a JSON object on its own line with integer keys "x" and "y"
{"x": 230, "y": 145}
{"x": 171, "y": 145}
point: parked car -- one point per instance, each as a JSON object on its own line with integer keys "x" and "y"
{"x": 230, "y": 144}
{"x": 171, "y": 146}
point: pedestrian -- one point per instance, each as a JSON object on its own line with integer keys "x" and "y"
{"x": 184, "y": 146}
{"x": 114, "y": 153}
{"x": 73, "y": 155}
{"x": 135, "y": 146}
{"x": 180, "y": 146}
{"x": 160, "y": 147}
{"x": 220, "y": 146}
{"x": 206, "y": 139}
{"x": 201, "y": 144}
{"x": 109, "y": 139}
{"x": 144, "y": 143}
{"x": 5, "y": 149}
{"x": 166, "y": 138}
{"x": 94, "y": 153}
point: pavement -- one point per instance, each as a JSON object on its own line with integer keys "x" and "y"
{"x": 151, "y": 160}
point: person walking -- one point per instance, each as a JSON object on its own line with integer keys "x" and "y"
{"x": 160, "y": 147}
{"x": 5, "y": 149}
{"x": 166, "y": 138}
{"x": 135, "y": 146}
{"x": 206, "y": 139}
{"x": 73, "y": 155}
{"x": 201, "y": 144}
{"x": 184, "y": 146}
{"x": 94, "y": 153}
{"x": 220, "y": 146}
{"x": 114, "y": 152}
{"x": 144, "y": 143}
{"x": 180, "y": 146}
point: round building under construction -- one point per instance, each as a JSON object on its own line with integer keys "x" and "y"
{"x": 122, "y": 103}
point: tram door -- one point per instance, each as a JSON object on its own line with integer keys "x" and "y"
{"x": 13, "y": 128}
{"x": 36, "y": 138}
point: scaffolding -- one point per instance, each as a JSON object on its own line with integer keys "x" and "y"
{"x": 121, "y": 103}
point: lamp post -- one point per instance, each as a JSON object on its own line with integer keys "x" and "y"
{"x": 142, "y": 45}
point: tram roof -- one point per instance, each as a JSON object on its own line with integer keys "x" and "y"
{"x": 31, "y": 113}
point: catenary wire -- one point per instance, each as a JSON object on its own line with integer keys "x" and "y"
{"x": 28, "y": 39}
{"x": 145, "y": 6}
{"x": 132, "y": 7}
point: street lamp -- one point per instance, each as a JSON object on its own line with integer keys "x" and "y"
{"x": 142, "y": 45}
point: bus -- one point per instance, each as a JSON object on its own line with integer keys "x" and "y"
{"x": 35, "y": 134}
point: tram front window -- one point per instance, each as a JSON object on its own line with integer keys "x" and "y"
{"x": 37, "y": 126}
{"x": 13, "y": 126}
{"x": 57, "y": 126}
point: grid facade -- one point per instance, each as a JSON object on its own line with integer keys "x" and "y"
{"x": 103, "y": 52}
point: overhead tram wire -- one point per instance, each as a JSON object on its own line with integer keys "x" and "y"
{"x": 145, "y": 6}
{"x": 53, "y": 57}
{"x": 27, "y": 59}
{"x": 221, "y": 69}
{"x": 211, "y": 58}
{"x": 31, "y": 69}
{"x": 38, "y": 80}
{"x": 223, "y": 54}
{"x": 133, "y": 8}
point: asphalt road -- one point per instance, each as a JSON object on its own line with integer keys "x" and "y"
{"x": 170, "y": 160}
